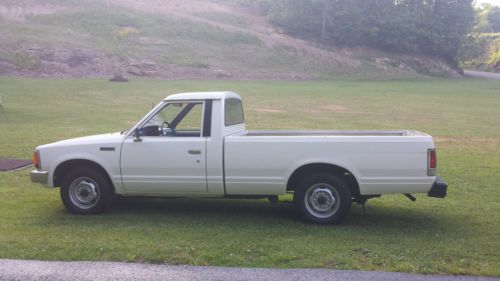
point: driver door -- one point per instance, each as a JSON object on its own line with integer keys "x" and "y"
{"x": 169, "y": 157}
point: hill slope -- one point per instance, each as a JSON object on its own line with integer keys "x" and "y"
{"x": 176, "y": 39}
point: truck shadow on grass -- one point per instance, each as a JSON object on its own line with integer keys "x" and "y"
{"x": 195, "y": 208}
{"x": 262, "y": 211}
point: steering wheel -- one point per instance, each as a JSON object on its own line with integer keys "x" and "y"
{"x": 163, "y": 127}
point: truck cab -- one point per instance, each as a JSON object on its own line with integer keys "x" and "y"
{"x": 177, "y": 148}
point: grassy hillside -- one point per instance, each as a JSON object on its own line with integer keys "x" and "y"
{"x": 457, "y": 235}
{"x": 176, "y": 39}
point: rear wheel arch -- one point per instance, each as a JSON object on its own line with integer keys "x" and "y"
{"x": 64, "y": 167}
{"x": 315, "y": 168}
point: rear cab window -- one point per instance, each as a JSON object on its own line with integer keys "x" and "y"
{"x": 233, "y": 112}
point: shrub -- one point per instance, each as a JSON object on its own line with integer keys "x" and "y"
{"x": 124, "y": 32}
{"x": 25, "y": 60}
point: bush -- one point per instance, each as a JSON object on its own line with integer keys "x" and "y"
{"x": 124, "y": 32}
{"x": 481, "y": 52}
{"x": 24, "y": 60}
{"x": 494, "y": 57}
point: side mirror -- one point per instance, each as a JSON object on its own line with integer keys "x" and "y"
{"x": 137, "y": 135}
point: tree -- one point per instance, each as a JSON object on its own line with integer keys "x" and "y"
{"x": 435, "y": 27}
{"x": 494, "y": 18}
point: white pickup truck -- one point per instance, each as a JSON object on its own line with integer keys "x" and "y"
{"x": 196, "y": 145}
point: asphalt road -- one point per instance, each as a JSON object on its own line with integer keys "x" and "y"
{"x": 99, "y": 271}
{"x": 481, "y": 74}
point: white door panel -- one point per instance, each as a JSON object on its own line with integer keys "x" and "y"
{"x": 164, "y": 165}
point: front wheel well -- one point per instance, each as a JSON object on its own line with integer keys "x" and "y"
{"x": 63, "y": 168}
{"x": 309, "y": 169}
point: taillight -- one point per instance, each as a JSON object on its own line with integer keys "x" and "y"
{"x": 36, "y": 159}
{"x": 431, "y": 162}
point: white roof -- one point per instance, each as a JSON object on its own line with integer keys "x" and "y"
{"x": 202, "y": 96}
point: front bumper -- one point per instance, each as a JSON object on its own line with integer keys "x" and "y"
{"x": 438, "y": 189}
{"x": 40, "y": 177}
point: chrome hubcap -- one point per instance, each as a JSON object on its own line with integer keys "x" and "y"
{"x": 84, "y": 192}
{"x": 322, "y": 200}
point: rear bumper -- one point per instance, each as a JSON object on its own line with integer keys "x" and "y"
{"x": 40, "y": 177}
{"x": 438, "y": 189}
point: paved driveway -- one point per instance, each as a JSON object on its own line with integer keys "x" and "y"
{"x": 481, "y": 74}
{"x": 97, "y": 271}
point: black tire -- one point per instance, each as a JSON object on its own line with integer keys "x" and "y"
{"x": 87, "y": 181}
{"x": 308, "y": 202}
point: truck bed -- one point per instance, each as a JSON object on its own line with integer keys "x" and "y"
{"x": 259, "y": 162}
{"x": 395, "y": 133}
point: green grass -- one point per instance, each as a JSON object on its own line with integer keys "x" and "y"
{"x": 456, "y": 235}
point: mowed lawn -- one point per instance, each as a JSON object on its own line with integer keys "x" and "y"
{"x": 456, "y": 235}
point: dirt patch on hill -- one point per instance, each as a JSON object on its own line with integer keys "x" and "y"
{"x": 66, "y": 62}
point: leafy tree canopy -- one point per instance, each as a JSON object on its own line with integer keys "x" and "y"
{"x": 434, "y": 27}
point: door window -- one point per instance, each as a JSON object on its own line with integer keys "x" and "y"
{"x": 180, "y": 119}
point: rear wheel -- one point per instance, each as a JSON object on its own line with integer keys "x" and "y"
{"x": 323, "y": 198}
{"x": 86, "y": 191}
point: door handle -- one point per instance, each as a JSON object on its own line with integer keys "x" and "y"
{"x": 194, "y": 152}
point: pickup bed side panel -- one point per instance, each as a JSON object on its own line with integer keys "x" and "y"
{"x": 382, "y": 165}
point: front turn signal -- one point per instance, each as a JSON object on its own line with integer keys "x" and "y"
{"x": 36, "y": 159}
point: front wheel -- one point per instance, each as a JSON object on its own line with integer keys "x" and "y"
{"x": 323, "y": 198}
{"x": 86, "y": 191}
